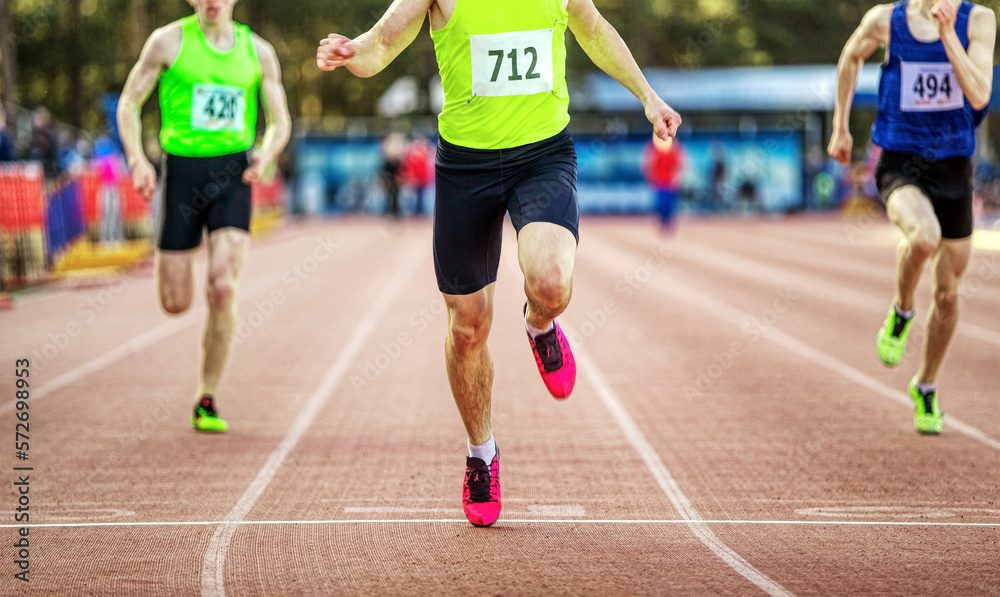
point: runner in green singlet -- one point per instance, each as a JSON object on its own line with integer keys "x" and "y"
{"x": 504, "y": 148}
{"x": 211, "y": 71}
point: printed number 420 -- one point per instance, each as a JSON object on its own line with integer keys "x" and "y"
{"x": 221, "y": 106}
{"x": 514, "y": 74}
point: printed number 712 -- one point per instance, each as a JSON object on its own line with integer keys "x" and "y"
{"x": 514, "y": 75}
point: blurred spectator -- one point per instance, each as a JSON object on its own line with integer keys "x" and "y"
{"x": 392, "y": 156}
{"x": 718, "y": 176}
{"x": 418, "y": 171}
{"x": 110, "y": 166}
{"x": 69, "y": 157}
{"x": 663, "y": 162}
{"x": 7, "y": 151}
{"x": 43, "y": 142}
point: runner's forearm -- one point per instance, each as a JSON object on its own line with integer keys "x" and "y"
{"x": 130, "y": 131}
{"x": 847, "y": 78}
{"x": 276, "y": 137}
{"x": 380, "y": 45}
{"x": 976, "y": 85}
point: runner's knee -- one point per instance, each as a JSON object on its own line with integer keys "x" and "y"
{"x": 946, "y": 298}
{"x": 925, "y": 241}
{"x": 550, "y": 286}
{"x": 220, "y": 292}
{"x": 468, "y": 328}
{"x": 173, "y": 301}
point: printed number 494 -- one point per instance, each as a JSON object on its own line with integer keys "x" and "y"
{"x": 514, "y": 74}
{"x": 930, "y": 86}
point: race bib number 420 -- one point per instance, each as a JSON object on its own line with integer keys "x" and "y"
{"x": 518, "y": 63}
{"x": 218, "y": 108}
{"x": 929, "y": 87}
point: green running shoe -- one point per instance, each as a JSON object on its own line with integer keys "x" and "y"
{"x": 926, "y": 416}
{"x": 891, "y": 339}
{"x": 206, "y": 419}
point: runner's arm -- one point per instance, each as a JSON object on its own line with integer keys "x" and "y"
{"x": 141, "y": 81}
{"x": 370, "y": 52}
{"x": 275, "y": 104}
{"x": 973, "y": 68}
{"x": 872, "y": 33}
{"x": 608, "y": 51}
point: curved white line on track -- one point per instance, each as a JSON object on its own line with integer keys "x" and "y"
{"x": 195, "y": 315}
{"x": 816, "y": 287}
{"x": 663, "y": 477}
{"x": 213, "y": 564}
{"x": 508, "y": 521}
{"x": 667, "y": 483}
{"x": 164, "y": 330}
{"x": 707, "y": 303}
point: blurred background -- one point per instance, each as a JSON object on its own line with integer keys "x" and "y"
{"x": 754, "y": 80}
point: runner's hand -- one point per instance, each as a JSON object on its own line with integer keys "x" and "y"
{"x": 255, "y": 172}
{"x": 841, "y": 146}
{"x": 665, "y": 119}
{"x": 334, "y": 51}
{"x": 946, "y": 15}
{"x": 144, "y": 179}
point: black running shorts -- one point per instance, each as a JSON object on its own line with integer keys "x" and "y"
{"x": 947, "y": 183}
{"x": 476, "y": 187}
{"x": 203, "y": 193}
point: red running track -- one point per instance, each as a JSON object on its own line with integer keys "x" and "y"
{"x": 732, "y": 432}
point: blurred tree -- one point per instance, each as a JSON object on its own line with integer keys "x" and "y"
{"x": 8, "y": 57}
{"x": 67, "y": 54}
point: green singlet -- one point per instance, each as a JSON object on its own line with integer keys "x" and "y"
{"x": 503, "y": 68}
{"x": 208, "y": 97}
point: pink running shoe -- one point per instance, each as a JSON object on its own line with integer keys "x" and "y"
{"x": 555, "y": 361}
{"x": 481, "y": 491}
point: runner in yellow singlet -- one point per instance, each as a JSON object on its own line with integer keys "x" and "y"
{"x": 504, "y": 148}
{"x": 211, "y": 71}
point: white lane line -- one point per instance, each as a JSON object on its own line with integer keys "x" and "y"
{"x": 663, "y": 477}
{"x": 160, "y": 332}
{"x": 511, "y": 521}
{"x": 212, "y": 569}
{"x": 816, "y": 287}
{"x": 723, "y": 311}
{"x": 252, "y": 289}
{"x": 667, "y": 483}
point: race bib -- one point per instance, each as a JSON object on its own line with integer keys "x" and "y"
{"x": 929, "y": 87}
{"x": 218, "y": 108}
{"x": 518, "y": 63}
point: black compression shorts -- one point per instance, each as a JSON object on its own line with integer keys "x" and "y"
{"x": 200, "y": 194}
{"x": 476, "y": 187}
{"x": 947, "y": 183}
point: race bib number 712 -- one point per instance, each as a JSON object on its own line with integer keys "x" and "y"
{"x": 929, "y": 87}
{"x": 517, "y": 63}
{"x": 218, "y": 108}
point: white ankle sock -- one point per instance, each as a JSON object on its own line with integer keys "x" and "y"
{"x": 484, "y": 452}
{"x": 534, "y": 332}
{"x": 905, "y": 314}
{"x": 926, "y": 389}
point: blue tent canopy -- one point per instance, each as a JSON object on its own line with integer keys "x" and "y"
{"x": 742, "y": 89}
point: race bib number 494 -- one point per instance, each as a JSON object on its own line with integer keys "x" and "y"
{"x": 218, "y": 108}
{"x": 518, "y": 63}
{"x": 929, "y": 87}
